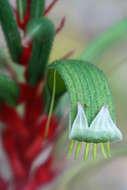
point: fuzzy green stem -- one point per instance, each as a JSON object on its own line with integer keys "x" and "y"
{"x": 108, "y": 149}
{"x": 86, "y": 153}
{"x": 94, "y": 151}
{"x": 37, "y": 8}
{"x": 20, "y": 9}
{"x": 77, "y": 151}
{"x": 103, "y": 150}
{"x": 41, "y": 31}
{"x": 51, "y": 105}
{"x": 70, "y": 148}
{"x": 10, "y": 30}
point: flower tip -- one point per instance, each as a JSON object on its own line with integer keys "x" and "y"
{"x": 79, "y": 125}
{"x": 80, "y": 108}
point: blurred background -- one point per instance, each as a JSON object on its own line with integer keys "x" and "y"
{"x": 85, "y": 20}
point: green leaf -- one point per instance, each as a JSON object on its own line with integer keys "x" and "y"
{"x": 1, "y": 61}
{"x": 9, "y": 90}
{"x": 98, "y": 46}
{"x": 5, "y": 56}
{"x": 18, "y": 70}
{"x": 37, "y": 8}
{"x": 61, "y": 88}
{"x": 41, "y": 31}
{"x": 22, "y": 7}
{"x": 10, "y": 29}
{"x": 85, "y": 83}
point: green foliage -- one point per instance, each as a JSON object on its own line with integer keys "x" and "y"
{"x": 22, "y": 7}
{"x": 86, "y": 84}
{"x": 9, "y": 90}
{"x": 10, "y": 29}
{"x": 61, "y": 88}
{"x": 41, "y": 31}
{"x": 37, "y": 8}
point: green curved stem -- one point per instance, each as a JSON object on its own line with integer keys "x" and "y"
{"x": 108, "y": 149}
{"x": 10, "y": 29}
{"x": 103, "y": 150}
{"x": 70, "y": 148}
{"x": 86, "y": 153}
{"x": 94, "y": 151}
{"x": 51, "y": 105}
{"x": 77, "y": 151}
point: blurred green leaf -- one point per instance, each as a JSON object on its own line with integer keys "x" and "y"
{"x": 37, "y": 8}
{"x": 10, "y": 29}
{"x": 6, "y": 61}
{"x": 61, "y": 88}
{"x": 98, "y": 46}
{"x": 9, "y": 90}
{"x": 41, "y": 31}
{"x": 22, "y": 7}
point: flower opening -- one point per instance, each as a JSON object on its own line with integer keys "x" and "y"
{"x": 101, "y": 130}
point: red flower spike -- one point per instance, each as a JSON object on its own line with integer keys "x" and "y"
{"x": 22, "y": 146}
{"x": 23, "y": 138}
{"x": 60, "y": 27}
{"x": 22, "y": 24}
{"x": 39, "y": 131}
{"x": 51, "y": 5}
{"x": 28, "y": 93}
{"x": 25, "y": 55}
{"x": 34, "y": 149}
{"x": 45, "y": 173}
{"x": 52, "y": 126}
{"x": 16, "y": 164}
{"x": 30, "y": 185}
{"x": 32, "y": 97}
{"x": 44, "y": 176}
{"x": 33, "y": 110}
{"x": 26, "y": 75}
{"x": 12, "y": 120}
{"x": 3, "y": 184}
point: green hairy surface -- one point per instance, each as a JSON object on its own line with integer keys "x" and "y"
{"x": 22, "y": 8}
{"x": 10, "y": 29}
{"x": 41, "y": 31}
{"x": 37, "y": 8}
{"x": 86, "y": 84}
{"x": 9, "y": 90}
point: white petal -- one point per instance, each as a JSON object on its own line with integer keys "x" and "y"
{"x": 100, "y": 120}
{"x": 104, "y": 125}
{"x": 114, "y": 127}
{"x": 80, "y": 124}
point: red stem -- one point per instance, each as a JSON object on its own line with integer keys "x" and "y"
{"x": 68, "y": 55}
{"x": 51, "y": 5}
{"x": 61, "y": 25}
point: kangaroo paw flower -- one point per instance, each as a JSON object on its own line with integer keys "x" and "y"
{"x": 101, "y": 130}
